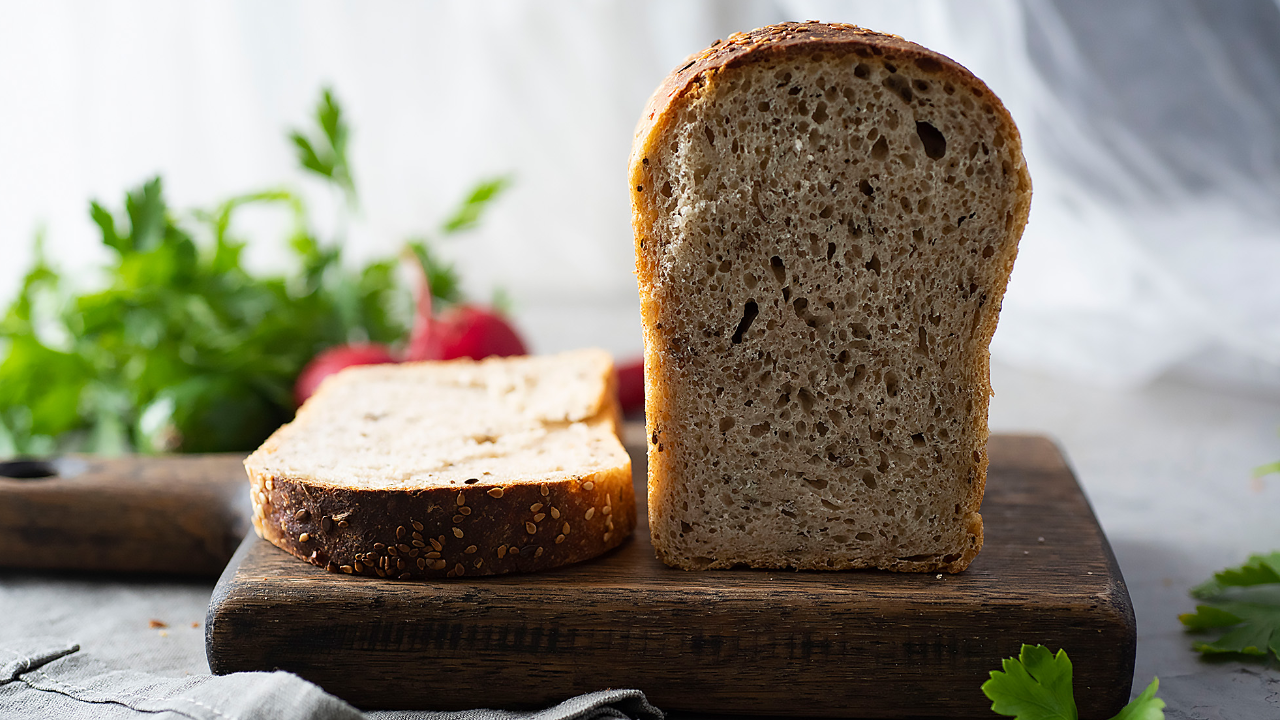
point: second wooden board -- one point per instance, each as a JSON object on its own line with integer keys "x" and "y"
{"x": 861, "y": 644}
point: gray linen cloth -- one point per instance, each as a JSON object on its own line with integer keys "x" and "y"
{"x": 50, "y": 678}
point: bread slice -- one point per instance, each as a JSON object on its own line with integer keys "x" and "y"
{"x": 825, "y": 221}
{"x": 444, "y": 469}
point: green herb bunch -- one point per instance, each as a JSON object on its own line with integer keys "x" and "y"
{"x": 184, "y": 349}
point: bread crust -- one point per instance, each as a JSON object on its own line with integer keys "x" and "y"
{"x": 688, "y": 83}
{"x": 385, "y": 533}
{"x": 482, "y": 528}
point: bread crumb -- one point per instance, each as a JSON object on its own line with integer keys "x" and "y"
{"x": 816, "y": 320}
{"x": 153, "y": 623}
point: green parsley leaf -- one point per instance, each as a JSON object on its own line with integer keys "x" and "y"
{"x": 1144, "y": 707}
{"x": 107, "y": 225}
{"x": 1244, "y": 600}
{"x": 1257, "y": 570}
{"x": 325, "y": 153}
{"x": 1037, "y": 685}
{"x": 309, "y": 158}
{"x": 468, "y": 214}
{"x": 146, "y": 210}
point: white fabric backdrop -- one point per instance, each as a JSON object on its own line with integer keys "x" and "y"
{"x": 1152, "y": 131}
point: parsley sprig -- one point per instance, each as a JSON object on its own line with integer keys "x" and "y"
{"x": 325, "y": 154}
{"x": 1244, "y": 602}
{"x": 1037, "y": 685}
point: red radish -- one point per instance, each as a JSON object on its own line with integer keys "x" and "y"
{"x": 469, "y": 331}
{"x": 631, "y": 386}
{"x": 421, "y": 341}
{"x": 334, "y": 359}
{"x": 461, "y": 331}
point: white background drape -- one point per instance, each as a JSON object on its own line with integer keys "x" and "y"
{"x": 1152, "y": 131}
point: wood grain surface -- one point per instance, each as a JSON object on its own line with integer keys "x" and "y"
{"x": 177, "y": 514}
{"x": 849, "y": 644}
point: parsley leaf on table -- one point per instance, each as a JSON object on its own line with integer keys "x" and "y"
{"x": 1245, "y": 601}
{"x": 1144, "y": 707}
{"x": 1037, "y": 685}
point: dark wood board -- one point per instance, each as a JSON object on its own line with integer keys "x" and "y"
{"x": 848, "y": 644}
{"x": 174, "y": 514}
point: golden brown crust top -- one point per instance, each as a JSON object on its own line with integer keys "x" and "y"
{"x": 776, "y": 41}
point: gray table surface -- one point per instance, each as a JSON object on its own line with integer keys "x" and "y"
{"x": 1166, "y": 467}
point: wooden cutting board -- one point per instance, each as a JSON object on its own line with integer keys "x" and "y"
{"x": 847, "y": 644}
{"x": 181, "y": 514}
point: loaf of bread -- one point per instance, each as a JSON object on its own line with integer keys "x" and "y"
{"x": 445, "y": 469}
{"x": 825, "y": 221}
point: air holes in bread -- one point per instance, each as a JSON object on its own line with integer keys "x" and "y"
{"x": 879, "y": 151}
{"x": 863, "y": 365}
{"x": 749, "y": 313}
{"x": 935, "y": 144}
{"x": 779, "y": 272}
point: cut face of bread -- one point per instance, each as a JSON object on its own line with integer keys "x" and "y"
{"x": 454, "y": 468}
{"x": 825, "y": 222}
